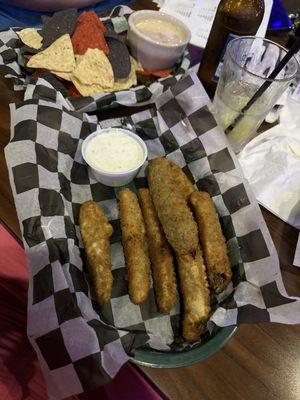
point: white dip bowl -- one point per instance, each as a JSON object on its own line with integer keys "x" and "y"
{"x": 116, "y": 157}
{"x": 157, "y": 40}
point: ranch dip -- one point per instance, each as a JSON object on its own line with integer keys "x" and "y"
{"x": 114, "y": 151}
{"x": 160, "y": 31}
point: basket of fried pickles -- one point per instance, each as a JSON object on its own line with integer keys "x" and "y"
{"x": 170, "y": 231}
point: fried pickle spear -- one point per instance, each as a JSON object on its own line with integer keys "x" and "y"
{"x": 135, "y": 246}
{"x": 195, "y": 293}
{"x": 160, "y": 255}
{"x": 212, "y": 241}
{"x": 181, "y": 180}
{"x": 96, "y": 231}
{"x": 171, "y": 206}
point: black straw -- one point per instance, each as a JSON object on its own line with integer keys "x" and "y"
{"x": 293, "y": 50}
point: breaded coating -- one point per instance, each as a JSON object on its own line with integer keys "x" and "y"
{"x": 181, "y": 180}
{"x": 135, "y": 246}
{"x": 195, "y": 293}
{"x": 175, "y": 217}
{"x": 96, "y": 231}
{"x": 212, "y": 241}
{"x": 160, "y": 255}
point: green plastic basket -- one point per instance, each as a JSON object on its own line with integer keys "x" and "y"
{"x": 160, "y": 359}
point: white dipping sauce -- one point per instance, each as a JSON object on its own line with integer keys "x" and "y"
{"x": 114, "y": 151}
{"x": 160, "y": 31}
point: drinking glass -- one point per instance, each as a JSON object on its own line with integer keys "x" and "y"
{"x": 247, "y": 65}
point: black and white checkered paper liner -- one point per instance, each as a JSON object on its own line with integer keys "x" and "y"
{"x": 81, "y": 346}
{"x": 12, "y": 63}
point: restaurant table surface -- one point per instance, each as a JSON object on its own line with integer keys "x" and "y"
{"x": 262, "y": 361}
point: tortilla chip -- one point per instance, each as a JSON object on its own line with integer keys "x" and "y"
{"x": 162, "y": 73}
{"x": 63, "y": 75}
{"x": 131, "y": 80}
{"x": 31, "y": 38}
{"x": 94, "y": 68}
{"x": 86, "y": 90}
{"x": 118, "y": 57}
{"x": 157, "y": 73}
{"x": 136, "y": 64}
{"x": 38, "y": 72}
{"x": 119, "y": 84}
{"x": 72, "y": 91}
{"x": 78, "y": 58}
{"x": 145, "y": 79}
{"x": 57, "y": 57}
{"x": 147, "y": 76}
{"x": 60, "y": 23}
{"x": 28, "y": 50}
{"x": 89, "y": 34}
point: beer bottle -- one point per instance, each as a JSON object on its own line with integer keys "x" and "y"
{"x": 233, "y": 18}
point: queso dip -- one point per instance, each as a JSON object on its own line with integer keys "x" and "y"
{"x": 160, "y": 31}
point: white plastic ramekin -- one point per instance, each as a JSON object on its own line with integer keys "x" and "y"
{"x": 114, "y": 179}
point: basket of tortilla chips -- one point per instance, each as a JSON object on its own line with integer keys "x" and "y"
{"x": 86, "y": 59}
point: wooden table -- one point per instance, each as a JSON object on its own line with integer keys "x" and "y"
{"x": 261, "y": 362}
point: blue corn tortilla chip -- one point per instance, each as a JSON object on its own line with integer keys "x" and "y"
{"x": 111, "y": 34}
{"x": 118, "y": 56}
{"x": 59, "y": 24}
{"x": 46, "y": 19}
{"x": 28, "y": 50}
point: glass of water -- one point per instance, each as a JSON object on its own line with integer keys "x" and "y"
{"x": 248, "y": 63}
